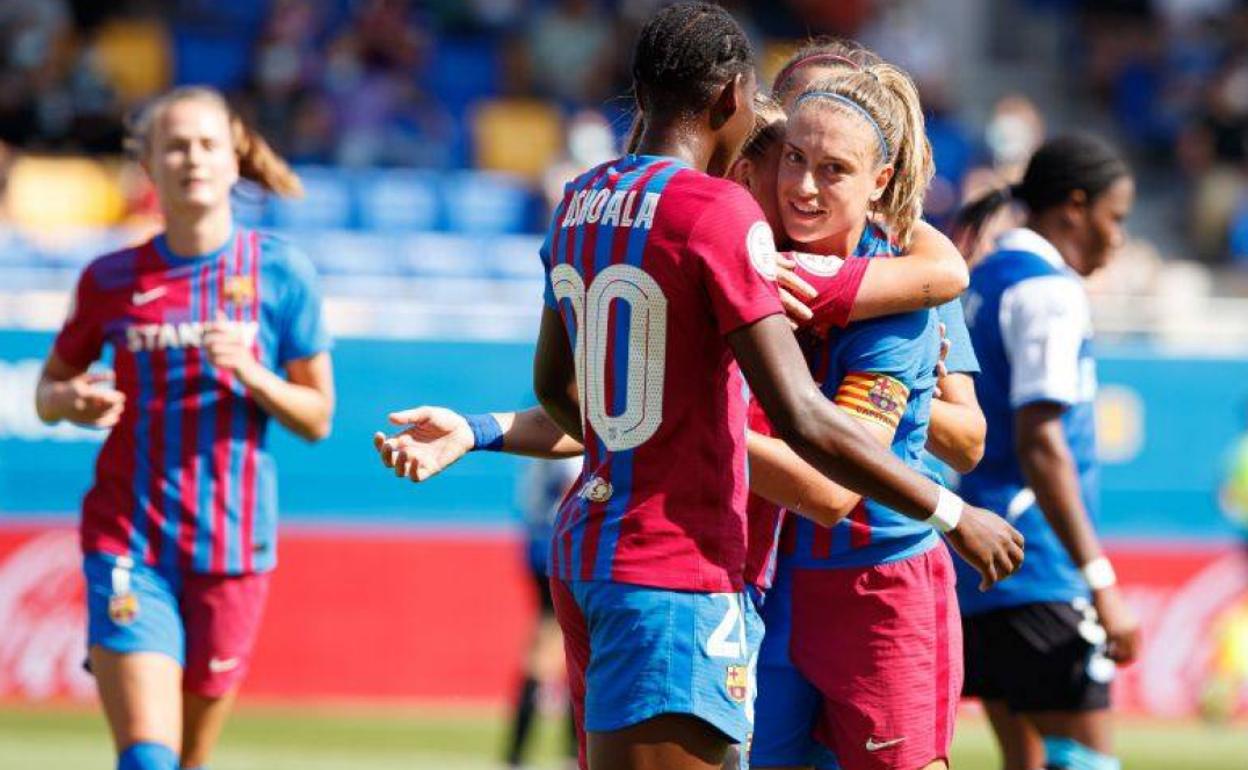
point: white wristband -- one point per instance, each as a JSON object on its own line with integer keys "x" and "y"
{"x": 948, "y": 511}
{"x": 1099, "y": 573}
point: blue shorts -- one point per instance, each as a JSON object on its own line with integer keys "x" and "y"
{"x": 133, "y": 607}
{"x": 636, "y": 652}
{"x": 787, "y": 704}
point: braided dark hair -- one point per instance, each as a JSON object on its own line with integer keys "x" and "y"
{"x": 684, "y": 53}
{"x": 1078, "y": 161}
{"x": 1068, "y": 163}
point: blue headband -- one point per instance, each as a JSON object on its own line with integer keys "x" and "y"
{"x": 884, "y": 149}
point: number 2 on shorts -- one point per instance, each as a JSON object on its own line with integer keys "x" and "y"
{"x": 719, "y": 644}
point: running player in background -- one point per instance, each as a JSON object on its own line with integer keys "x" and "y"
{"x": 179, "y": 529}
{"x": 648, "y": 556}
{"x": 542, "y": 489}
{"x": 1041, "y": 648}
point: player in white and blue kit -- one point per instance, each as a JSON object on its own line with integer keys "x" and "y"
{"x": 1040, "y": 647}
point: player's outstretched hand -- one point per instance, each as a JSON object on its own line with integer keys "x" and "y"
{"x": 988, "y": 543}
{"x": 431, "y": 441}
{"x": 1122, "y": 628}
{"x": 794, "y": 292}
{"x": 84, "y": 400}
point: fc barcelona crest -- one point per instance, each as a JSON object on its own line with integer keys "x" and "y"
{"x": 239, "y": 289}
{"x": 883, "y": 395}
{"x": 738, "y": 683}
{"x": 123, "y": 608}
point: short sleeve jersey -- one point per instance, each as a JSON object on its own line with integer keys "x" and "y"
{"x": 1031, "y": 324}
{"x": 650, "y": 264}
{"x": 962, "y": 358}
{"x": 883, "y": 369}
{"x": 184, "y": 480}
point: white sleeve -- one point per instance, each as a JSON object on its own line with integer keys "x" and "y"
{"x": 1044, "y": 322}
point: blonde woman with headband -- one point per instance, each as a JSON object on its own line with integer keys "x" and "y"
{"x": 879, "y": 678}
{"x": 956, "y": 432}
{"x": 215, "y": 330}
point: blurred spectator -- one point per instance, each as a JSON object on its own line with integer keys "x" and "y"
{"x": 1015, "y": 129}
{"x": 570, "y": 51}
{"x": 405, "y": 83}
{"x": 590, "y": 141}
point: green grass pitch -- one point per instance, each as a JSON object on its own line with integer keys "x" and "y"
{"x": 380, "y": 738}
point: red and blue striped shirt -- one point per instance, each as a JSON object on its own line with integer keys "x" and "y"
{"x": 650, "y": 263}
{"x": 184, "y": 479}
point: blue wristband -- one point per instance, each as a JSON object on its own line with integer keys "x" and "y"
{"x": 487, "y": 434}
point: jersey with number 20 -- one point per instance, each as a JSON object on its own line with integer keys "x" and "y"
{"x": 650, "y": 263}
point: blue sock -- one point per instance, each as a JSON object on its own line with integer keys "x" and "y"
{"x": 1069, "y": 754}
{"x": 147, "y": 756}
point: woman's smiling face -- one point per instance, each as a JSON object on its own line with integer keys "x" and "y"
{"x": 829, "y": 172}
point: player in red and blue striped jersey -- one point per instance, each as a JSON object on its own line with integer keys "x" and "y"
{"x": 179, "y": 528}
{"x": 660, "y": 275}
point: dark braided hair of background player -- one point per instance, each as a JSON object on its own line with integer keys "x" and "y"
{"x": 684, "y": 53}
{"x": 1061, "y": 166}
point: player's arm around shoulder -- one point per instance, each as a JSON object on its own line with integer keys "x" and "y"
{"x": 846, "y": 452}
{"x": 931, "y": 273}
{"x": 876, "y": 399}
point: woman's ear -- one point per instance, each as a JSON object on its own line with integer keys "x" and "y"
{"x": 728, "y": 101}
{"x": 742, "y": 172}
{"x": 882, "y": 178}
{"x": 1076, "y": 206}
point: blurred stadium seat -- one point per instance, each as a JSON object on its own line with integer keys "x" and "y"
{"x": 517, "y": 136}
{"x": 45, "y": 194}
{"x": 483, "y": 203}
{"x": 399, "y": 200}
{"x": 135, "y": 57}
{"x": 328, "y": 201}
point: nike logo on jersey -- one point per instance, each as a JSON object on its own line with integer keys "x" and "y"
{"x": 144, "y": 297}
{"x": 187, "y": 334}
{"x": 874, "y": 745}
{"x": 222, "y": 665}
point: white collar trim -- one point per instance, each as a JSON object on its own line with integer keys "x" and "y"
{"x": 1026, "y": 239}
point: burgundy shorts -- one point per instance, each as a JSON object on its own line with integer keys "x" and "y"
{"x": 883, "y": 646}
{"x": 222, "y": 614}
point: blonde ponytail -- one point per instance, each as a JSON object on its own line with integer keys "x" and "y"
{"x": 913, "y": 167}
{"x": 257, "y": 161}
{"x": 889, "y": 97}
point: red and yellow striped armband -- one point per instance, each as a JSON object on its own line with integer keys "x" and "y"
{"x": 873, "y": 397}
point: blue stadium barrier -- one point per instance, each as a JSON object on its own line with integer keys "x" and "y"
{"x": 1165, "y": 424}
{"x": 481, "y": 202}
{"x": 328, "y": 202}
{"x": 399, "y": 201}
